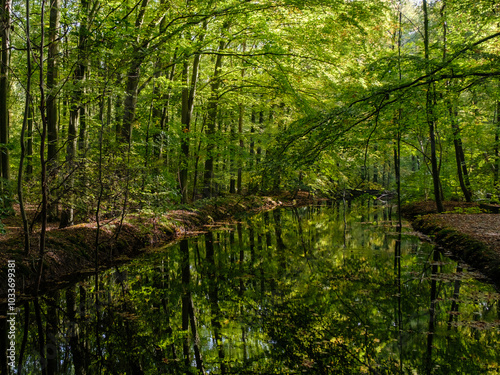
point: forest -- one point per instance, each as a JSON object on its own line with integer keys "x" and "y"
{"x": 119, "y": 106}
{"x": 121, "y": 111}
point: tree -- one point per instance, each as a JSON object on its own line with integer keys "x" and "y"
{"x": 213, "y": 103}
{"x": 188, "y": 97}
{"x": 76, "y": 115}
{"x": 51, "y": 103}
{"x": 5, "y": 19}
{"x": 430, "y": 99}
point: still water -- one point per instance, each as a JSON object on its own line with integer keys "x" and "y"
{"x": 314, "y": 290}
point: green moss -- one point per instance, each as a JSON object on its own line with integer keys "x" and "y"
{"x": 472, "y": 251}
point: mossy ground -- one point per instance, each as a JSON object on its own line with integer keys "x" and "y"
{"x": 464, "y": 229}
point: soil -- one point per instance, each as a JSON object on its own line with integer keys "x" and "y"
{"x": 469, "y": 230}
{"x": 71, "y": 252}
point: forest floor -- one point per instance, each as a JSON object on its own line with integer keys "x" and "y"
{"x": 469, "y": 231}
{"x": 71, "y": 252}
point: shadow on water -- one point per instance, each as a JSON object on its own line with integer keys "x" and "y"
{"x": 318, "y": 290}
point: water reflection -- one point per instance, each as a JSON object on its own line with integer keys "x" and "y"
{"x": 304, "y": 290}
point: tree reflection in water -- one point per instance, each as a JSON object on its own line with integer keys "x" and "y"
{"x": 276, "y": 293}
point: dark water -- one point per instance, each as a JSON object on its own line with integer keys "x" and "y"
{"x": 291, "y": 291}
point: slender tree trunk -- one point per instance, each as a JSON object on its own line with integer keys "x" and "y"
{"x": 188, "y": 96}
{"x": 81, "y": 121}
{"x": 6, "y": 6}
{"x": 133, "y": 76}
{"x": 23, "y": 132}
{"x": 251, "y": 159}
{"x": 186, "y": 124}
{"x": 29, "y": 146}
{"x": 194, "y": 330}
{"x": 52, "y": 78}
{"x": 43, "y": 162}
{"x": 160, "y": 110}
{"x": 431, "y": 121}
{"x": 463, "y": 176}
{"x": 232, "y": 159}
{"x": 197, "y": 158}
{"x": 76, "y": 117}
{"x": 118, "y": 110}
{"x": 51, "y": 106}
{"x": 241, "y": 111}
{"x": 211, "y": 120}
{"x": 496, "y": 173}
{"x": 130, "y": 100}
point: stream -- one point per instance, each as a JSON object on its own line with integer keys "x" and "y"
{"x": 330, "y": 289}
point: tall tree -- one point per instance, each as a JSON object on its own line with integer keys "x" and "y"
{"x": 496, "y": 175}
{"x": 26, "y": 119}
{"x": 76, "y": 114}
{"x": 463, "y": 175}
{"x": 5, "y": 19}
{"x": 213, "y": 104}
{"x": 188, "y": 96}
{"x": 431, "y": 120}
{"x": 43, "y": 159}
{"x": 241, "y": 112}
{"x": 133, "y": 76}
{"x": 52, "y": 94}
{"x": 52, "y": 82}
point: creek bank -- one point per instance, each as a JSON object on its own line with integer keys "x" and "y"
{"x": 464, "y": 229}
{"x": 71, "y": 252}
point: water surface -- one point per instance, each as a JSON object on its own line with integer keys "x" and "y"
{"x": 318, "y": 290}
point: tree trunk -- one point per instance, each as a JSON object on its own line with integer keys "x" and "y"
{"x": 6, "y": 6}
{"x": 186, "y": 124}
{"x": 27, "y": 106}
{"x": 241, "y": 111}
{"x": 463, "y": 174}
{"x": 52, "y": 78}
{"x": 211, "y": 120}
{"x": 251, "y": 159}
{"x": 130, "y": 100}
{"x": 160, "y": 110}
{"x": 188, "y": 95}
{"x": 43, "y": 162}
{"x": 232, "y": 159}
{"x": 76, "y": 116}
{"x": 496, "y": 175}
{"x": 51, "y": 107}
{"x": 133, "y": 76}
{"x": 431, "y": 121}
{"x": 29, "y": 146}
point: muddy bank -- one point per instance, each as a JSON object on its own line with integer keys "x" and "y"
{"x": 468, "y": 231}
{"x": 71, "y": 252}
